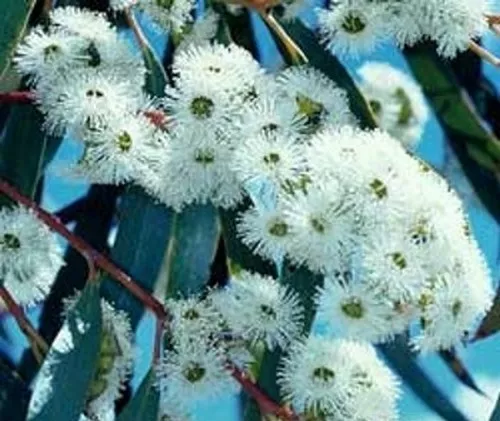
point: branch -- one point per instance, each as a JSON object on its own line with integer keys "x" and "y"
{"x": 38, "y": 344}
{"x": 266, "y": 405}
{"x": 17, "y": 97}
{"x": 87, "y": 251}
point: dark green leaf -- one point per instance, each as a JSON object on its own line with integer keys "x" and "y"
{"x": 495, "y": 416}
{"x": 143, "y": 233}
{"x": 13, "y": 21}
{"x": 402, "y": 360}
{"x": 144, "y": 405}
{"x": 192, "y": 248}
{"x": 491, "y": 323}
{"x": 156, "y": 78}
{"x": 61, "y": 388}
{"x": 456, "y": 365}
{"x": 25, "y": 150}
{"x": 476, "y": 147}
{"x": 330, "y": 66}
{"x": 14, "y": 395}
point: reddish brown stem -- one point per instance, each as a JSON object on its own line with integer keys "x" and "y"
{"x": 266, "y": 405}
{"x": 17, "y": 97}
{"x": 38, "y": 344}
{"x": 87, "y": 251}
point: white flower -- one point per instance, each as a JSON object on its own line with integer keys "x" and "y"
{"x": 353, "y": 27}
{"x": 86, "y": 100}
{"x": 118, "y": 5}
{"x": 202, "y": 162}
{"x": 121, "y": 151}
{"x": 192, "y": 317}
{"x": 194, "y": 370}
{"x": 320, "y": 222}
{"x": 396, "y": 100}
{"x": 48, "y": 55}
{"x": 336, "y": 379}
{"x": 318, "y": 100}
{"x": 82, "y": 22}
{"x": 231, "y": 68}
{"x": 270, "y": 157}
{"x": 116, "y": 356}
{"x": 258, "y": 308}
{"x": 30, "y": 256}
{"x": 352, "y": 310}
{"x": 265, "y": 231}
{"x": 201, "y": 32}
{"x": 169, "y": 14}
{"x": 294, "y": 8}
{"x": 273, "y": 114}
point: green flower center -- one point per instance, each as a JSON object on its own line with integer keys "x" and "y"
{"x": 204, "y": 156}
{"x": 124, "y": 142}
{"x": 456, "y": 308}
{"x": 376, "y": 106}
{"x": 51, "y": 51}
{"x": 91, "y": 93}
{"x": 278, "y": 228}
{"x": 202, "y": 107}
{"x": 318, "y": 224}
{"x": 353, "y": 308}
{"x": 406, "y": 110}
{"x": 194, "y": 372}
{"x": 94, "y": 55}
{"x": 268, "y": 311}
{"x": 399, "y": 260}
{"x": 272, "y": 158}
{"x": 323, "y": 374}
{"x": 10, "y": 241}
{"x": 166, "y": 4}
{"x": 191, "y": 314}
{"x": 353, "y": 23}
{"x": 312, "y": 110}
{"x": 420, "y": 234}
{"x": 270, "y": 128}
{"x": 379, "y": 188}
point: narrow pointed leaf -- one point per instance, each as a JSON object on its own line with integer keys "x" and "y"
{"x": 144, "y": 405}
{"x": 143, "y": 234}
{"x": 491, "y": 323}
{"x": 456, "y": 365}
{"x": 476, "y": 147}
{"x": 495, "y": 416}
{"x": 61, "y": 386}
{"x": 403, "y": 362}
{"x": 192, "y": 248}
{"x": 13, "y": 21}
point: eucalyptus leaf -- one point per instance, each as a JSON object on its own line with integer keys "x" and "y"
{"x": 144, "y": 405}
{"x": 60, "y": 390}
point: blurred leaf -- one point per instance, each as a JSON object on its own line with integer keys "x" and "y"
{"x": 14, "y": 395}
{"x": 241, "y": 30}
{"x": 60, "y": 390}
{"x": 144, "y": 406}
{"x": 495, "y": 416}
{"x": 240, "y": 256}
{"x": 476, "y": 147}
{"x": 191, "y": 250}
{"x": 491, "y": 323}
{"x": 455, "y": 364}
{"x": 143, "y": 233}
{"x": 156, "y": 78}
{"x": 13, "y": 21}
{"x": 330, "y": 66}
{"x": 403, "y": 362}
{"x": 25, "y": 149}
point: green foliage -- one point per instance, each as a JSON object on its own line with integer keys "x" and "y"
{"x": 144, "y": 405}
{"x": 60, "y": 392}
{"x": 14, "y": 390}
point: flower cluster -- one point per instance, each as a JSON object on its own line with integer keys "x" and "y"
{"x": 358, "y": 26}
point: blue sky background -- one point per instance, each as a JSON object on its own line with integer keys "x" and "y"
{"x": 483, "y": 358}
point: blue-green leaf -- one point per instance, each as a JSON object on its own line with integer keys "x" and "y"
{"x": 144, "y": 405}
{"x": 14, "y": 395}
{"x": 192, "y": 248}
{"x": 402, "y": 360}
{"x": 495, "y": 416}
{"x": 13, "y": 21}
{"x": 60, "y": 390}
{"x": 143, "y": 233}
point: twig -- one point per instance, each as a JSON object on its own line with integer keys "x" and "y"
{"x": 86, "y": 250}
{"x": 139, "y": 35}
{"x": 38, "y": 344}
{"x": 484, "y": 54}
{"x": 17, "y": 97}
{"x": 266, "y": 405}
{"x": 293, "y": 50}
